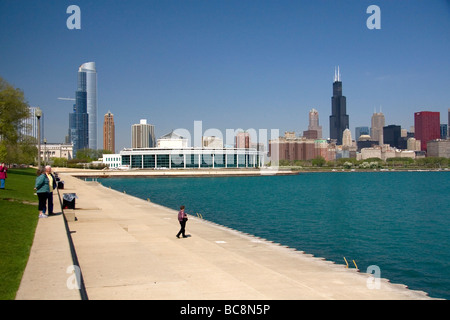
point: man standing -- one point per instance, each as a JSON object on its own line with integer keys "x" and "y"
{"x": 52, "y": 185}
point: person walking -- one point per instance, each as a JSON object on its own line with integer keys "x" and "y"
{"x": 3, "y": 175}
{"x": 182, "y": 219}
{"x": 44, "y": 190}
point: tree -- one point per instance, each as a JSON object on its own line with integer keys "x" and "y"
{"x": 318, "y": 162}
{"x": 13, "y": 109}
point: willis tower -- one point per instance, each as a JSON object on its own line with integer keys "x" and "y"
{"x": 339, "y": 116}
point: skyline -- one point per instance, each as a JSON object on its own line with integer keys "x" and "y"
{"x": 230, "y": 64}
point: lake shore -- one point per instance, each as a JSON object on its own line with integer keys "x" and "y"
{"x": 127, "y": 249}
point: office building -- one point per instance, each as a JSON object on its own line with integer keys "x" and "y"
{"x": 293, "y": 148}
{"x": 143, "y": 135}
{"x": 359, "y": 131}
{"x": 427, "y": 127}
{"x": 392, "y": 135}
{"x": 347, "y": 138}
{"x": 29, "y": 126}
{"x": 79, "y": 119}
{"x": 89, "y": 76}
{"x": 444, "y": 131}
{"x": 376, "y": 130}
{"x": 109, "y": 133}
{"x": 438, "y": 148}
{"x": 365, "y": 141}
{"x": 314, "y": 129}
{"x": 242, "y": 140}
{"x": 339, "y": 120}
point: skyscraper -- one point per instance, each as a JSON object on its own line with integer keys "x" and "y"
{"x": 29, "y": 126}
{"x": 314, "y": 123}
{"x": 339, "y": 120}
{"x": 79, "y": 119}
{"x": 376, "y": 131}
{"x": 347, "y": 138}
{"x": 448, "y": 124}
{"x": 90, "y": 76}
{"x": 109, "y": 133}
{"x": 242, "y": 140}
{"x": 427, "y": 127}
{"x": 392, "y": 136}
{"x": 143, "y": 135}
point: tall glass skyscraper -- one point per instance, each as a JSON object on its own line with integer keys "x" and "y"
{"x": 79, "y": 119}
{"x": 90, "y": 78}
{"x": 339, "y": 118}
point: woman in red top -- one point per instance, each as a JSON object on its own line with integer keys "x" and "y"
{"x": 182, "y": 218}
{"x": 3, "y": 175}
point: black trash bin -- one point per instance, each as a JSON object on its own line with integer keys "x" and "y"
{"x": 69, "y": 200}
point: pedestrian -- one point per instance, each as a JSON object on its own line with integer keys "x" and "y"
{"x": 182, "y": 218}
{"x": 45, "y": 183}
{"x": 3, "y": 175}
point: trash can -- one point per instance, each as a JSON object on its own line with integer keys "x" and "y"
{"x": 69, "y": 200}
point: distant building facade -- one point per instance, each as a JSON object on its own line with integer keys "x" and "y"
{"x": 29, "y": 126}
{"x": 172, "y": 141}
{"x": 293, "y": 148}
{"x": 444, "y": 131}
{"x": 376, "y": 130}
{"x": 56, "y": 150}
{"x": 427, "y": 127}
{"x": 438, "y": 148}
{"x": 314, "y": 129}
{"x": 143, "y": 135}
{"x": 359, "y": 131}
{"x": 109, "y": 133}
{"x": 242, "y": 140}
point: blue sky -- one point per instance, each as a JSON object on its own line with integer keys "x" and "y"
{"x": 231, "y": 64}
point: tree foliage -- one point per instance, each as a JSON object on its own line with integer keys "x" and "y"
{"x": 13, "y": 109}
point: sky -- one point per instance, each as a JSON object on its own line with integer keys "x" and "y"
{"x": 249, "y": 64}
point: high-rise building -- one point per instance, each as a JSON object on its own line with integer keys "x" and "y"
{"x": 448, "y": 124}
{"x": 90, "y": 78}
{"x": 392, "y": 136}
{"x": 376, "y": 131}
{"x": 347, "y": 138}
{"x": 360, "y": 131}
{"x": 79, "y": 119}
{"x": 143, "y": 135}
{"x": 29, "y": 126}
{"x": 427, "y": 127}
{"x": 314, "y": 123}
{"x": 243, "y": 140}
{"x": 339, "y": 120}
{"x": 444, "y": 131}
{"x": 109, "y": 139}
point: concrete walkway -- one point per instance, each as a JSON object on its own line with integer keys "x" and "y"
{"x": 127, "y": 249}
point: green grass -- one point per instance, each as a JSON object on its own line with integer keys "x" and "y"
{"x": 18, "y": 221}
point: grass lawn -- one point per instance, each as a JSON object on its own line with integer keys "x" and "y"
{"x": 18, "y": 221}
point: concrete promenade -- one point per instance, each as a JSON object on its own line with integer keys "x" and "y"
{"x": 127, "y": 249}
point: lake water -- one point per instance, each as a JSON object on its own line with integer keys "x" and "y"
{"x": 399, "y": 221}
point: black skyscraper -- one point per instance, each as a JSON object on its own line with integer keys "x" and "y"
{"x": 339, "y": 117}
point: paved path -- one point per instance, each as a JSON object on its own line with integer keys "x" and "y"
{"x": 127, "y": 249}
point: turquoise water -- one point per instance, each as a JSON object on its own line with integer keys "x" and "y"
{"x": 398, "y": 221}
